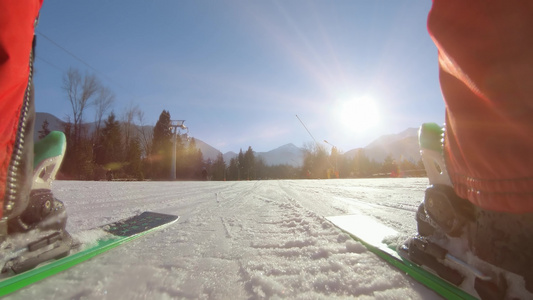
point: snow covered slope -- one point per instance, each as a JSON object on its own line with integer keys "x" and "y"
{"x": 237, "y": 240}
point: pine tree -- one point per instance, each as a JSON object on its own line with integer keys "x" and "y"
{"x": 162, "y": 146}
{"x": 249, "y": 164}
{"x": 240, "y": 165}
{"x": 78, "y": 160}
{"x": 233, "y": 170}
{"x": 219, "y": 168}
{"x": 44, "y": 129}
{"x": 110, "y": 151}
{"x": 196, "y": 160}
{"x": 133, "y": 159}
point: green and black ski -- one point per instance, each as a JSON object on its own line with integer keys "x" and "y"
{"x": 374, "y": 236}
{"x": 117, "y": 233}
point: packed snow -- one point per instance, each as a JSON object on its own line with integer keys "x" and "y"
{"x": 237, "y": 240}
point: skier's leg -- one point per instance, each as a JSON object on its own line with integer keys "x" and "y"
{"x": 486, "y": 77}
{"x": 16, "y": 107}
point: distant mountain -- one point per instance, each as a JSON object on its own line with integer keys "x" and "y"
{"x": 54, "y": 123}
{"x": 403, "y": 145}
{"x": 387, "y": 139}
{"x": 287, "y": 154}
{"x": 229, "y": 155}
{"x": 406, "y": 148}
{"x": 208, "y": 151}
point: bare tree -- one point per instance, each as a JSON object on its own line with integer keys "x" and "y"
{"x": 127, "y": 121}
{"x": 145, "y": 135}
{"x": 80, "y": 91}
{"x": 103, "y": 102}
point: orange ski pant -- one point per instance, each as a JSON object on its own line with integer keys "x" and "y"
{"x": 17, "y": 19}
{"x": 485, "y": 51}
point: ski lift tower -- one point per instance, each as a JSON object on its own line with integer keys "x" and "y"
{"x": 176, "y": 125}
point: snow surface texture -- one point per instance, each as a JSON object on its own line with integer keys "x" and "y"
{"x": 237, "y": 240}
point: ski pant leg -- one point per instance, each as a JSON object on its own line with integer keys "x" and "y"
{"x": 17, "y": 21}
{"x": 486, "y": 76}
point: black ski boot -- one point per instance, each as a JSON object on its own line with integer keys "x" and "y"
{"x": 38, "y": 233}
{"x": 442, "y": 210}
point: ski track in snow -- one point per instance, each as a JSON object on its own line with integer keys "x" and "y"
{"x": 237, "y": 240}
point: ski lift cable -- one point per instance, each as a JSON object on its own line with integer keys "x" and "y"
{"x": 308, "y": 131}
{"x": 77, "y": 58}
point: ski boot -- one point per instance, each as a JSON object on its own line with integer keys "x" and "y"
{"x": 38, "y": 234}
{"x": 447, "y": 227}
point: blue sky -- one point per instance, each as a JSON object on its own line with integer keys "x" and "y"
{"x": 239, "y": 72}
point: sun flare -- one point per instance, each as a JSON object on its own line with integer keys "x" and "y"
{"x": 358, "y": 114}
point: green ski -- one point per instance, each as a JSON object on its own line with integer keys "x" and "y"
{"x": 372, "y": 235}
{"x": 118, "y": 233}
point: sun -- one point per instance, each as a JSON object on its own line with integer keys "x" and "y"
{"x": 358, "y": 114}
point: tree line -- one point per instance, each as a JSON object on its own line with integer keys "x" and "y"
{"x": 317, "y": 164}
{"x": 123, "y": 147}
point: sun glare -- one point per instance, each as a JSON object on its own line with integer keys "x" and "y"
{"x": 358, "y": 115}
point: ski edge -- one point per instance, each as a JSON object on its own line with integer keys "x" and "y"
{"x": 430, "y": 280}
{"x": 10, "y": 285}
